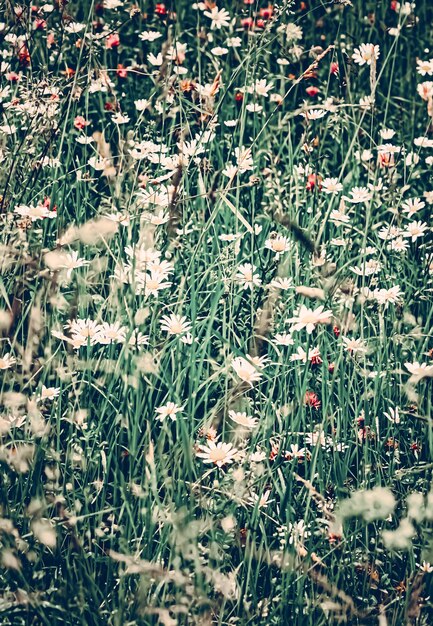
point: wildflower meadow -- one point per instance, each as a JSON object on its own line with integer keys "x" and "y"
{"x": 216, "y": 290}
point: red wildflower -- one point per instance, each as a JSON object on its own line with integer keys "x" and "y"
{"x": 121, "y": 71}
{"x": 273, "y": 453}
{"x": 312, "y": 400}
{"x": 267, "y": 13}
{"x": 13, "y": 77}
{"x": 80, "y": 122}
{"x": 69, "y": 72}
{"x": 312, "y": 181}
{"x": 24, "y": 56}
{"x": 47, "y": 202}
{"x": 247, "y": 23}
{"x": 39, "y": 24}
{"x": 161, "y": 9}
{"x": 112, "y": 41}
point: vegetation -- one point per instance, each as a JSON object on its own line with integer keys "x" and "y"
{"x": 216, "y": 280}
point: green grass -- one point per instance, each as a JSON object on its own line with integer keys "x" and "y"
{"x": 109, "y": 516}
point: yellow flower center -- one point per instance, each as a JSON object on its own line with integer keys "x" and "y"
{"x": 218, "y": 454}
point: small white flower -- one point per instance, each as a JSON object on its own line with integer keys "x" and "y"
{"x": 314, "y": 114}
{"x": 388, "y": 296}
{"x": 246, "y": 276}
{"x": 156, "y": 61}
{"x": 278, "y": 244}
{"x": 168, "y": 410}
{"x": 284, "y": 339}
{"x": 220, "y": 18}
{"x": 412, "y": 206}
{"x": 7, "y": 361}
{"x": 219, "y": 51}
{"x": 175, "y": 324}
{"x": 355, "y": 346}
{"x": 234, "y": 42}
{"x": 217, "y": 453}
{"x": 245, "y": 370}
{"x": 393, "y": 415}
{"x": 150, "y": 35}
{"x": 426, "y": 567}
{"x": 308, "y": 319}
{"x": 366, "y": 53}
{"x": 142, "y": 104}
{"x": 119, "y": 118}
{"x": 419, "y": 370}
{"x": 243, "y": 420}
{"x": 281, "y": 283}
{"x": 358, "y": 195}
{"x": 331, "y": 186}
{"x": 49, "y": 393}
{"x": 261, "y": 501}
{"x": 415, "y": 230}
{"x": 425, "y": 67}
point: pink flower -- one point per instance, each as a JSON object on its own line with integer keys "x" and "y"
{"x": 112, "y": 41}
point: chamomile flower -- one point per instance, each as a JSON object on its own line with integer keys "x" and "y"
{"x": 243, "y": 420}
{"x": 217, "y": 453}
{"x": 169, "y": 410}
{"x": 246, "y": 371}
{"x": 331, "y": 186}
{"x": 419, "y": 370}
{"x": 84, "y": 330}
{"x": 247, "y": 277}
{"x": 355, "y": 346}
{"x": 309, "y": 318}
{"x": 35, "y": 212}
{"x": 278, "y": 244}
{"x": 151, "y": 284}
{"x": 415, "y": 230}
{"x": 425, "y": 68}
{"x": 262, "y": 500}
{"x": 412, "y": 206}
{"x": 7, "y": 361}
{"x": 283, "y": 283}
{"x": 366, "y": 53}
{"x": 393, "y": 415}
{"x": 283, "y": 339}
{"x": 220, "y": 18}
{"x": 388, "y": 296}
{"x": 111, "y": 333}
{"x": 49, "y": 393}
{"x": 175, "y": 324}
{"x": 398, "y": 244}
{"x": 150, "y": 35}
{"x": 358, "y": 195}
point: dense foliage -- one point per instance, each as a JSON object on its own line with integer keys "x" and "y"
{"x": 216, "y": 277}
